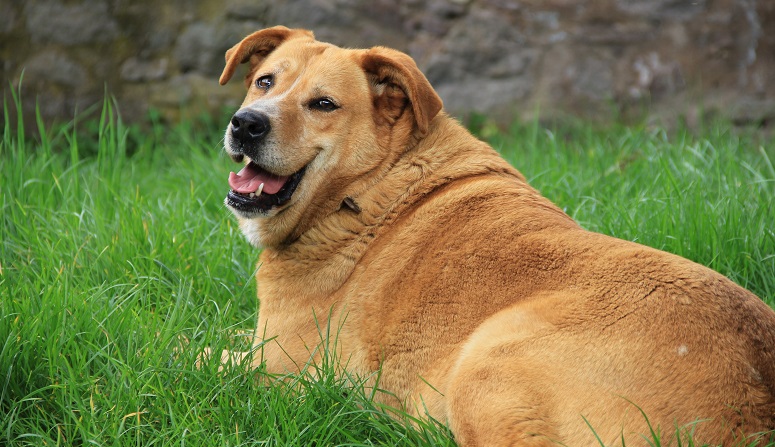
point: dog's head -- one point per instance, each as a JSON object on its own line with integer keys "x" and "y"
{"x": 317, "y": 124}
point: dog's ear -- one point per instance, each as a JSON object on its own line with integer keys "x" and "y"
{"x": 256, "y": 47}
{"x": 396, "y": 80}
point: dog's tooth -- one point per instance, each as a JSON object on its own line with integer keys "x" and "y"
{"x": 252, "y": 194}
{"x": 260, "y": 188}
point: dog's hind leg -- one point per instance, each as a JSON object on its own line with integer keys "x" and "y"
{"x": 483, "y": 410}
{"x": 496, "y": 394}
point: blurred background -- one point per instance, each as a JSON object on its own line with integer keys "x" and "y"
{"x": 664, "y": 60}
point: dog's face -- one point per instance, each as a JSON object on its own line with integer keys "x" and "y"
{"x": 317, "y": 120}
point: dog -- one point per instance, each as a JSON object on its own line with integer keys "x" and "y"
{"x": 484, "y": 305}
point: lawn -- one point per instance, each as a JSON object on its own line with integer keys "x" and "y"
{"x": 115, "y": 247}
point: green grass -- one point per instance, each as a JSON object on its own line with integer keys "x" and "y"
{"x": 114, "y": 244}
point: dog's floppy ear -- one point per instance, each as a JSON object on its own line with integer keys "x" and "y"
{"x": 256, "y": 47}
{"x": 395, "y": 78}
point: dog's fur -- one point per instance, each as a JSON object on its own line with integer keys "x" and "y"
{"x": 433, "y": 259}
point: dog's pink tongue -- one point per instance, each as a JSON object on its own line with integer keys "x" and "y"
{"x": 249, "y": 178}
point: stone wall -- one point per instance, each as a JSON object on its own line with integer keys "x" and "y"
{"x": 593, "y": 58}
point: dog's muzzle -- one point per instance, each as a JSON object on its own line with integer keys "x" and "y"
{"x": 254, "y": 190}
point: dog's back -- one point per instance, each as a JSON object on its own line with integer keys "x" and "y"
{"x": 522, "y": 319}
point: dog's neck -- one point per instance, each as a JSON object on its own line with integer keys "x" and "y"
{"x": 332, "y": 246}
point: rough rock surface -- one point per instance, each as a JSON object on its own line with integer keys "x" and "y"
{"x": 592, "y": 58}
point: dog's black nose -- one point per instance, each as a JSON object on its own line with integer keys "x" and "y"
{"x": 248, "y": 125}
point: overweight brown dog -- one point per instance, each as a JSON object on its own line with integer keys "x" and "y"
{"x": 483, "y": 303}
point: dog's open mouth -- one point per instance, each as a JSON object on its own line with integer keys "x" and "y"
{"x": 255, "y": 190}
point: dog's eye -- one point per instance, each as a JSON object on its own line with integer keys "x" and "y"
{"x": 264, "y": 82}
{"x": 324, "y": 104}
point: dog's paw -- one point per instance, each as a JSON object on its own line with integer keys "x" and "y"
{"x": 228, "y": 358}
{"x": 180, "y": 347}
{"x": 203, "y": 358}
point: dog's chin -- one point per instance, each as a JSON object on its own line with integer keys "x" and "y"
{"x": 251, "y": 206}
{"x": 251, "y": 229}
